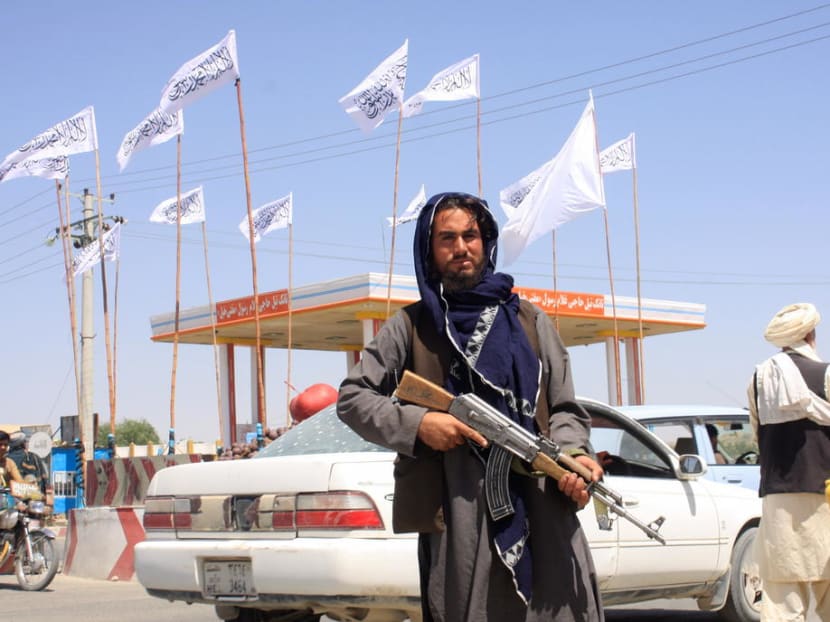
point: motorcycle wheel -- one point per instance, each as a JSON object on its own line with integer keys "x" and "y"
{"x": 37, "y": 572}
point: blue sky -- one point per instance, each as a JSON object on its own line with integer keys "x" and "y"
{"x": 731, "y": 139}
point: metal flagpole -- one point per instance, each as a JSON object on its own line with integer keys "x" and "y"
{"x": 107, "y": 343}
{"x": 115, "y": 340}
{"x": 260, "y": 406}
{"x": 478, "y": 142}
{"x": 640, "y": 388}
{"x": 394, "y": 211}
{"x": 288, "y": 384}
{"x": 177, "y": 307}
{"x": 617, "y": 377}
{"x": 555, "y": 286}
{"x": 225, "y": 442}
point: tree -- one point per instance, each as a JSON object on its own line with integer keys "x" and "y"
{"x": 138, "y": 431}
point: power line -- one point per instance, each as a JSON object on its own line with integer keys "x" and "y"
{"x": 136, "y": 185}
{"x": 421, "y": 128}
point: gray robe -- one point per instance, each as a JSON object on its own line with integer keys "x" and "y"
{"x": 466, "y": 581}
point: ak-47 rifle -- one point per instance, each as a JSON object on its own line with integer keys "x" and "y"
{"x": 542, "y": 453}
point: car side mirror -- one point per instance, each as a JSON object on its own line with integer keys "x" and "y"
{"x": 691, "y": 466}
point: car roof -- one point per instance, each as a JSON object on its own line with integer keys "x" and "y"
{"x": 674, "y": 411}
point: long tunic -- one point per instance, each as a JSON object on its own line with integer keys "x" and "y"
{"x": 464, "y": 579}
{"x": 793, "y": 543}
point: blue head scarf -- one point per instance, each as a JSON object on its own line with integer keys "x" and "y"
{"x": 492, "y": 356}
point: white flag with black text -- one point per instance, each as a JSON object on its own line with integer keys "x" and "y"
{"x": 457, "y": 82}
{"x": 379, "y": 93}
{"x": 619, "y": 156}
{"x": 199, "y": 76}
{"x": 192, "y": 209}
{"x": 511, "y": 197}
{"x": 412, "y": 210}
{"x": 48, "y": 168}
{"x": 274, "y": 215}
{"x": 76, "y": 134}
{"x": 570, "y": 186}
{"x": 157, "y": 128}
{"x": 90, "y": 255}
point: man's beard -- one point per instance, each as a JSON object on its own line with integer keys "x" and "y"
{"x": 454, "y": 282}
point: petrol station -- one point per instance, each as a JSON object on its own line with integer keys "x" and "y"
{"x": 344, "y": 314}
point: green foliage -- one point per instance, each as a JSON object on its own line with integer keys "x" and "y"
{"x": 138, "y": 431}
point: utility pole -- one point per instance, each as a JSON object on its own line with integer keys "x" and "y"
{"x": 87, "y": 335}
{"x": 86, "y": 235}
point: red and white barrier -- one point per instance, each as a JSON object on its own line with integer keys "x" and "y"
{"x": 100, "y": 542}
{"x": 124, "y": 481}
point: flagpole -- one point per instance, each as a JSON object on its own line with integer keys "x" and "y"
{"x": 640, "y": 386}
{"x": 115, "y": 338}
{"x": 107, "y": 343}
{"x": 617, "y": 377}
{"x": 555, "y": 286}
{"x": 260, "y": 406}
{"x": 225, "y": 442}
{"x": 394, "y": 211}
{"x": 70, "y": 285}
{"x": 288, "y": 384}
{"x": 478, "y": 142}
{"x": 177, "y": 307}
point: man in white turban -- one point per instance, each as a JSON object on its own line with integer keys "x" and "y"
{"x": 789, "y": 408}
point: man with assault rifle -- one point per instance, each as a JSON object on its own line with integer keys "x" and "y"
{"x": 496, "y": 542}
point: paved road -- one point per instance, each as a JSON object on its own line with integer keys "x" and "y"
{"x": 70, "y": 599}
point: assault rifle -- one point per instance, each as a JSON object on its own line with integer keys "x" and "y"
{"x": 542, "y": 453}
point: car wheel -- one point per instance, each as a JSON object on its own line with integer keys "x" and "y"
{"x": 744, "y": 601}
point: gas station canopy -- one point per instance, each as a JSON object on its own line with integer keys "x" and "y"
{"x": 330, "y": 315}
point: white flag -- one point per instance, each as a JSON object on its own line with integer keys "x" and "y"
{"x": 192, "y": 209}
{"x": 460, "y": 81}
{"x": 90, "y": 255}
{"x": 49, "y": 168}
{"x": 570, "y": 187}
{"x": 370, "y": 101}
{"x": 201, "y": 75}
{"x": 274, "y": 215}
{"x": 515, "y": 193}
{"x": 619, "y": 156}
{"x": 75, "y": 135}
{"x": 157, "y": 128}
{"x": 412, "y": 210}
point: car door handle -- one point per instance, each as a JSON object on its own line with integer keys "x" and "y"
{"x": 630, "y": 502}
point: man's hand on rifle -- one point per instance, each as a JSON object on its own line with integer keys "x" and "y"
{"x": 442, "y": 431}
{"x": 574, "y": 486}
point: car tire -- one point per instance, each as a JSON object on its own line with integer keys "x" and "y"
{"x": 743, "y": 604}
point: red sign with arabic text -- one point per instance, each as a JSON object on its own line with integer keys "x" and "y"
{"x": 564, "y": 303}
{"x": 270, "y": 304}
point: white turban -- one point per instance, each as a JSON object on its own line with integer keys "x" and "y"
{"x": 791, "y": 324}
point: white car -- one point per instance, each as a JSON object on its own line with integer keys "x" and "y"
{"x": 688, "y": 430}
{"x": 305, "y": 530}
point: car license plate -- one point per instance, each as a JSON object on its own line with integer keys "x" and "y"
{"x": 228, "y": 577}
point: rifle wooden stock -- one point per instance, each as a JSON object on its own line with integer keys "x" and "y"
{"x": 421, "y": 391}
{"x": 417, "y": 390}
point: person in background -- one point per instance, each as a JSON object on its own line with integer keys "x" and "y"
{"x": 8, "y": 469}
{"x": 526, "y": 560}
{"x": 790, "y": 413}
{"x": 712, "y": 431}
{"x": 30, "y": 465}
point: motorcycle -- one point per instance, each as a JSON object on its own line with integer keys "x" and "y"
{"x": 23, "y": 537}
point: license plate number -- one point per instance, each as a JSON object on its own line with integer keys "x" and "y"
{"x": 228, "y": 578}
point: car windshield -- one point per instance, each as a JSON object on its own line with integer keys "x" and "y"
{"x": 321, "y": 433}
